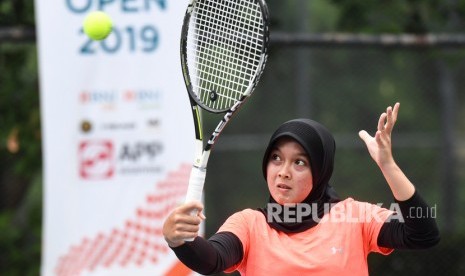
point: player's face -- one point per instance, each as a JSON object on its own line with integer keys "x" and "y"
{"x": 288, "y": 172}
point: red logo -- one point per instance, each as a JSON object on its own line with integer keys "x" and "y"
{"x": 96, "y": 160}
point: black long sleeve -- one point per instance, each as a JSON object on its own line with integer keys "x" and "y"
{"x": 214, "y": 255}
{"x": 418, "y": 231}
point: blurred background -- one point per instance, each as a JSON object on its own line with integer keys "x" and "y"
{"x": 338, "y": 62}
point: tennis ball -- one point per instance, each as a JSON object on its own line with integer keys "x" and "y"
{"x": 97, "y": 25}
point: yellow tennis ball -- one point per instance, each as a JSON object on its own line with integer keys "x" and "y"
{"x": 97, "y": 25}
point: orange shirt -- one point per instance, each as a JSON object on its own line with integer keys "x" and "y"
{"x": 338, "y": 245}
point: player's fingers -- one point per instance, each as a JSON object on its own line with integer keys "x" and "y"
{"x": 381, "y": 121}
{"x": 188, "y": 228}
{"x": 196, "y": 210}
{"x": 180, "y": 219}
{"x": 389, "y": 120}
{"x": 379, "y": 137}
{"x": 190, "y": 207}
{"x": 392, "y": 116}
{"x": 182, "y": 235}
{"x": 395, "y": 111}
{"x": 364, "y": 135}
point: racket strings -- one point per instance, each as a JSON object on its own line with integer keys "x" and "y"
{"x": 224, "y": 50}
{"x": 218, "y": 21}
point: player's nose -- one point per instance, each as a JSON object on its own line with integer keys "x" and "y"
{"x": 284, "y": 171}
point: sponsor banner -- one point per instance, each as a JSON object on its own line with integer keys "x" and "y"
{"x": 117, "y": 136}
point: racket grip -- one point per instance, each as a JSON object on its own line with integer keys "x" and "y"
{"x": 196, "y": 182}
{"x": 195, "y": 188}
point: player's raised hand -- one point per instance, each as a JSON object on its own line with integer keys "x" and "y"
{"x": 181, "y": 224}
{"x": 379, "y": 145}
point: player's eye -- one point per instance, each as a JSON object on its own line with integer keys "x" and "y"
{"x": 300, "y": 162}
{"x": 275, "y": 157}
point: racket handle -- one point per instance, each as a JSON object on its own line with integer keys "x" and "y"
{"x": 196, "y": 181}
{"x": 195, "y": 188}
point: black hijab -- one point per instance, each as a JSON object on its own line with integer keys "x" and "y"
{"x": 320, "y": 147}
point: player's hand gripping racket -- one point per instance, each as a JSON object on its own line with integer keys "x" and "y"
{"x": 223, "y": 53}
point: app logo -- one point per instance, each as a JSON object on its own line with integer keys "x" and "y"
{"x": 96, "y": 160}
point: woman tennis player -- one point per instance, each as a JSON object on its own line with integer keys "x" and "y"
{"x": 306, "y": 229}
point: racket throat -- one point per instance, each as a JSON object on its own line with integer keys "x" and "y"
{"x": 201, "y": 163}
{"x": 219, "y": 128}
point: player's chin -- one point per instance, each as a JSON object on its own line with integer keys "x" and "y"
{"x": 283, "y": 199}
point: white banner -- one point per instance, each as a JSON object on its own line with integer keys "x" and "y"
{"x": 118, "y": 136}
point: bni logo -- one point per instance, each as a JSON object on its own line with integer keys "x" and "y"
{"x": 143, "y": 98}
{"x": 96, "y": 160}
{"x": 106, "y": 99}
{"x": 97, "y": 96}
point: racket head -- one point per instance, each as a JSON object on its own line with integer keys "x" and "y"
{"x": 224, "y": 48}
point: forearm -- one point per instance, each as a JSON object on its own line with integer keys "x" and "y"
{"x": 414, "y": 231}
{"x": 220, "y": 252}
{"x": 400, "y": 185}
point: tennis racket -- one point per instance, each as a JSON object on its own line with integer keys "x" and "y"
{"x": 223, "y": 53}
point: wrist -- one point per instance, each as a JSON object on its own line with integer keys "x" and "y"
{"x": 388, "y": 164}
{"x": 401, "y": 187}
{"x": 173, "y": 244}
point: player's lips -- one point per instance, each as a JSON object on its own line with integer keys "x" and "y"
{"x": 283, "y": 187}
